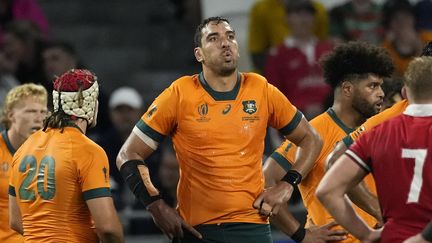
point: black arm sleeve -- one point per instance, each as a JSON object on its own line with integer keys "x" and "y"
{"x": 132, "y": 176}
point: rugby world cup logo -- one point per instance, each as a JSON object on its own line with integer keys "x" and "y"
{"x": 203, "y": 109}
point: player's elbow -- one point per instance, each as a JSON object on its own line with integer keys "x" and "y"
{"x": 110, "y": 232}
{"x": 16, "y": 225}
{"x": 323, "y": 193}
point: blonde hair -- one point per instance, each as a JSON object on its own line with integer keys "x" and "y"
{"x": 418, "y": 77}
{"x": 19, "y": 93}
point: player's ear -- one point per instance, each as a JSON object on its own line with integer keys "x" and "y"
{"x": 347, "y": 88}
{"x": 404, "y": 92}
{"x": 10, "y": 116}
{"x": 198, "y": 54}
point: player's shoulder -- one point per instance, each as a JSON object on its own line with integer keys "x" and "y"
{"x": 387, "y": 114}
{"x": 321, "y": 122}
{"x": 251, "y": 78}
{"x": 185, "y": 81}
{"x": 84, "y": 145}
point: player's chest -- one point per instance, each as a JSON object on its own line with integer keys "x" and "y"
{"x": 244, "y": 115}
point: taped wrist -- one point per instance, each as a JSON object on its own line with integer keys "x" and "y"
{"x": 299, "y": 235}
{"x": 136, "y": 175}
{"x": 427, "y": 232}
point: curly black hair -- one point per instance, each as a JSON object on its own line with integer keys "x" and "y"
{"x": 204, "y": 23}
{"x": 354, "y": 60}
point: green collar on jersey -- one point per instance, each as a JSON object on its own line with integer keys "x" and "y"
{"x": 338, "y": 121}
{"x": 219, "y": 96}
{"x": 8, "y": 143}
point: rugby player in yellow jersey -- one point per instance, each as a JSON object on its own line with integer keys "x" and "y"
{"x": 59, "y": 182}
{"x": 24, "y": 110}
{"x": 389, "y": 113}
{"x": 355, "y": 71}
{"x": 217, "y": 120}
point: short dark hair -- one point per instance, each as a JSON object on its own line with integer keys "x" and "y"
{"x": 62, "y": 45}
{"x": 392, "y": 7}
{"x": 204, "y": 23}
{"x": 355, "y": 60}
{"x": 427, "y": 50}
{"x": 292, "y": 6}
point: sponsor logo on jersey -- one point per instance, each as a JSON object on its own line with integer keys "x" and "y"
{"x": 249, "y": 106}
{"x": 151, "y": 111}
{"x": 227, "y": 109}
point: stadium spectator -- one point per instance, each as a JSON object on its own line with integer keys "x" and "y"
{"x": 402, "y": 39}
{"x": 23, "y": 44}
{"x": 268, "y": 27}
{"x": 357, "y": 20}
{"x": 29, "y": 10}
{"x": 293, "y": 66}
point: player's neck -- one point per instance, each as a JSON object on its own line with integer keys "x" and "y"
{"x": 220, "y": 83}
{"x": 82, "y": 124}
{"x": 15, "y": 138}
{"x": 349, "y": 116}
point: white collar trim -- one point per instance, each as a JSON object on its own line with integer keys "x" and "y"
{"x": 419, "y": 110}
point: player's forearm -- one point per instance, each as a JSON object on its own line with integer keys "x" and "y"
{"x": 364, "y": 199}
{"x": 111, "y": 236}
{"x": 343, "y": 212}
{"x": 285, "y": 221}
{"x": 308, "y": 150}
{"x": 339, "y": 149}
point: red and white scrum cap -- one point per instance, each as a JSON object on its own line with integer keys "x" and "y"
{"x": 79, "y": 90}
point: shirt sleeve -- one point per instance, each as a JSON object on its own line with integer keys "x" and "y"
{"x": 93, "y": 171}
{"x": 283, "y": 115}
{"x": 160, "y": 118}
{"x": 360, "y": 152}
{"x": 12, "y": 180}
{"x": 285, "y": 154}
{"x": 379, "y": 118}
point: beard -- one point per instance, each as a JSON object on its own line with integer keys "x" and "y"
{"x": 364, "y": 107}
{"x": 225, "y": 71}
{"x": 221, "y": 67}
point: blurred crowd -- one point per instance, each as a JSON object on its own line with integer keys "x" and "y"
{"x": 286, "y": 39}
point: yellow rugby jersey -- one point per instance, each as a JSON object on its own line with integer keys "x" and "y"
{"x": 6, "y": 153}
{"x": 53, "y": 174}
{"x": 385, "y": 115}
{"x": 219, "y": 142}
{"x": 331, "y": 130}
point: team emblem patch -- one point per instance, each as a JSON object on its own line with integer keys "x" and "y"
{"x": 249, "y": 106}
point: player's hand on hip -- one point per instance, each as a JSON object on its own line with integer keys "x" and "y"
{"x": 271, "y": 199}
{"x": 324, "y": 233}
{"x": 169, "y": 221}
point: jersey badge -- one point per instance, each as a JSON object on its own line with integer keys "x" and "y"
{"x": 249, "y": 106}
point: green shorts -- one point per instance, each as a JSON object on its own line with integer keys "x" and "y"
{"x": 229, "y": 233}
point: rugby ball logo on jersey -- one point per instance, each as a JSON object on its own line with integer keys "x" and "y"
{"x": 249, "y": 106}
